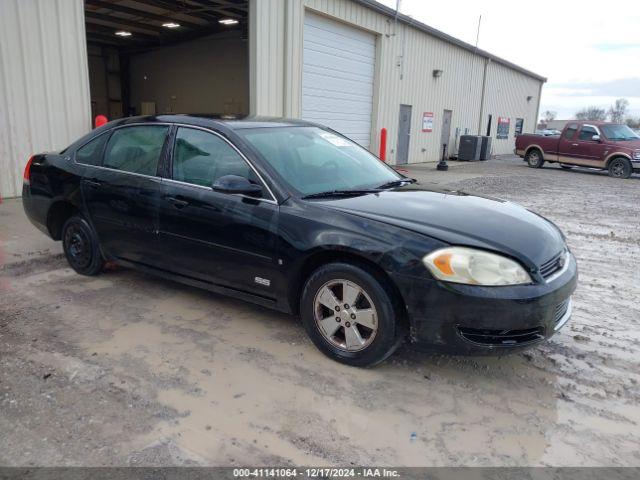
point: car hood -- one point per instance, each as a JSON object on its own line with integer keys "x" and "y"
{"x": 628, "y": 144}
{"x": 459, "y": 218}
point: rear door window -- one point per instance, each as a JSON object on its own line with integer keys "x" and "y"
{"x": 200, "y": 158}
{"x": 136, "y": 149}
{"x": 570, "y": 131}
{"x": 91, "y": 153}
{"x": 586, "y": 133}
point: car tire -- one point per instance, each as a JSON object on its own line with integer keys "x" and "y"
{"x": 81, "y": 246}
{"x": 566, "y": 167}
{"x": 335, "y": 326}
{"x": 534, "y": 158}
{"x": 620, "y": 168}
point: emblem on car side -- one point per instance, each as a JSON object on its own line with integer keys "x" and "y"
{"x": 263, "y": 281}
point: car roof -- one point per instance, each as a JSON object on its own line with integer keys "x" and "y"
{"x": 215, "y": 120}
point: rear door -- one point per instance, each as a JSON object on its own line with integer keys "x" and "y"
{"x": 121, "y": 194}
{"x": 228, "y": 240}
{"x": 404, "y": 134}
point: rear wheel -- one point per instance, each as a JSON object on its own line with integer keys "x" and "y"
{"x": 534, "y": 158}
{"x": 81, "y": 246}
{"x": 620, "y": 168}
{"x": 350, "y": 315}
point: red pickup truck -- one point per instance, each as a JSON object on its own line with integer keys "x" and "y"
{"x": 607, "y": 146}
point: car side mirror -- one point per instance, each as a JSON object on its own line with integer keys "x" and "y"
{"x": 237, "y": 184}
{"x": 596, "y": 138}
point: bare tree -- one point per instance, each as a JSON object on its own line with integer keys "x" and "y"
{"x": 618, "y": 111}
{"x": 592, "y": 113}
{"x": 549, "y": 116}
{"x": 633, "y": 122}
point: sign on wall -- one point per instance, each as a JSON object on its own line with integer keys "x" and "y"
{"x": 503, "y": 127}
{"x": 427, "y": 122}
{"x": 519, "y": 126}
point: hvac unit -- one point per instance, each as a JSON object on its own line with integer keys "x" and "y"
{"x": 469, "y": 148}
{"x": 485, "y": 148}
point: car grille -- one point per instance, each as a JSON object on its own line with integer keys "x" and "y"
{"x": 504, "y": 338}
{"x": 561, "y": 309}
{"x": 552, "y": 266}
{"x": 559, "y": 313}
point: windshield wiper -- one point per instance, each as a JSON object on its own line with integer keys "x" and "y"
{"x": 397, "y": 183}
{"x": 341, "y": 193}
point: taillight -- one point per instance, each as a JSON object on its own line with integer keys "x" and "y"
{"x": 27, "y": 171}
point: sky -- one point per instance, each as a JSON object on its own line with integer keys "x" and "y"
{"x": 589, "y": 51}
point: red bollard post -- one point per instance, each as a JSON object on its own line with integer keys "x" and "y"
{"x": 383, "y": 144}
{"x": 100, "y": 120}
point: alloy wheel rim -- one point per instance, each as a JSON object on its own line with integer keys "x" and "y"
{"x": 77, "y": 244}
{"x": 618, "y": 169}
{"x": 533, "y": 159}
{"x": 345, "y": 315}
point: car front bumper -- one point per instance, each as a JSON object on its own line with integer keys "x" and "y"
{"x": 471, "y": 319}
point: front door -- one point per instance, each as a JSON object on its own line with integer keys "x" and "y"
{"x": 576, "y": 146}
{"x": 446, "y": 132}
{"x": 404, "y": 134}
{"x": 587, "y": 151}
{"x": 121, "y": 193}
{"x": 228, "y": 240}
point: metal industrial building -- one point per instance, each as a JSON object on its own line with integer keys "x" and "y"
{"x": 354, "y": 65}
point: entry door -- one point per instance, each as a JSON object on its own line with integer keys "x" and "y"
{"x": 489, "y": 125}
{"x": 446, "y": 130}
{"x": 122, "y": 194}
{"x": 228, "y": 240}
{"x": 404, "y": 134}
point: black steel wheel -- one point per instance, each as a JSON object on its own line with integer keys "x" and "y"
{"x": 81, "y": 247}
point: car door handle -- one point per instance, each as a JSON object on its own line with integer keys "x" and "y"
{"x": 93, "y": 183}
{"x": 575, "y": 144}
{"x": 177, "y": 202}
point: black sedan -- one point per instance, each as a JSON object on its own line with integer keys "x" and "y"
{"x": 295, "y": 217}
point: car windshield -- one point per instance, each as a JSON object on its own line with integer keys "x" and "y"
{"x": 313, "y": 160}
{"x": 619, "y": 132}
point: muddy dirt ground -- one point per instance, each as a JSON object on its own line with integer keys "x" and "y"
{"x": 128, "y": 369}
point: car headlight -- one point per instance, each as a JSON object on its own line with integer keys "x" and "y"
{"x": 475, "y": 267}
{"x": 636, "y": 154}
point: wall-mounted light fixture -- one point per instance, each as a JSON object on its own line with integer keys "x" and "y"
{"x": 437, "y": 73}
{"x": 529, "y": 98}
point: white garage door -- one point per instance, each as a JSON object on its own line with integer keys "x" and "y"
{"x": 337, "y": 77}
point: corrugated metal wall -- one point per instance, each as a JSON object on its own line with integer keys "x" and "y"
{"x": 406, "y": 58}
{"x": 44, "y": 82}
{"x": 507, "y": 94}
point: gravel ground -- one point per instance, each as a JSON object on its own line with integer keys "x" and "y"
{"x": 128, "y": 369}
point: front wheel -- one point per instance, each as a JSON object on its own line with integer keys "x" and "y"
{"x": 349, "y": 315}
{"x": 81, "y": 247}
{"x": 620, "y": 168}
{"x": 534, "y": 158}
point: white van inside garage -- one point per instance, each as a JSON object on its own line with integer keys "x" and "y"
{"x": 151, "y": 57}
